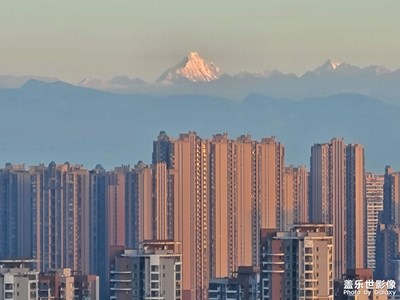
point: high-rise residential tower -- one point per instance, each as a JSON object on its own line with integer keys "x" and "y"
{"x": 246, "y": 187}
{"x": 355, "y": 207}
{"x": 319, "y": 209}
{"x": 162, "y": 150}
{"x": 337, "y": 197}
{"x": 163, "y": 186}
{"x": 162, "y": 202}
{"x": 374, "y": 202}
{"x": 15, "y": 212}
{"x": 387, "y": 251}
{"x": 223, "y": 191}
{"x": 388, "y": 233}
{"x": 328, "y": 194}
{"x": 247, "y": 224}
{"x": 191, "y": 212}
{"x": 115, "y": 194}
{"x": 391, "y": 200}
{"x": 60, "y": 195}
{"x": 99, "y": 228}
{"x": 139, "y": 217}
{"x": 222, "y": 194}
{"x": 270, "y": 182}
{"x": 295, "y": 195}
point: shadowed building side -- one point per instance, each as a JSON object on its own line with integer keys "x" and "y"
{"x": 15, "y": 212}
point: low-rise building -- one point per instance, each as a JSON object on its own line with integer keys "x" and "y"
{"x": 64, "y": 284}
{"x": 18, "y": 280}
{"x": 152, "y": 272}
{"x": 243, "y": 285}
{"x": 297, "y": 264}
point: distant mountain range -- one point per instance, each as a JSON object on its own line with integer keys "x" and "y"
{"x": 17, "y": 81}
{"x": 193, "y": 75}
{"x": 41, "y": 122}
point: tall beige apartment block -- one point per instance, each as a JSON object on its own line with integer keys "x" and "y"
{"x": 320, "y": 184}
{"x": 139, "y": 223}
{"x": 356, "y": 207}
{"x": 224, "y": 190}
{"x": 328, "y": 194}
{"x": 60, "y": 196}
{"x": 115, "y": 197}
{"x": 223, "y": 258}
{"x": 295, "y": 195}
{"x": 161, "y": 202}
{"x": 270, "y": 176}
{"x": 191, "y": 212}
{"x": 246, "y": 189}
{"x": 246, "y": 201}
{"x": 337, "y": 197}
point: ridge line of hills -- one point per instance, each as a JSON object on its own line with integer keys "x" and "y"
{"x": 194, "y": 75}
{"x": 41, "y": 122}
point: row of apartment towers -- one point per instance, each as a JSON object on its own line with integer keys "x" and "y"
{"x": 213, "y": 196}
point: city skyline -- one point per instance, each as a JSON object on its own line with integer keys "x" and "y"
{"x": 193, "y": 150}
{"x": 143, "y": 161}
{"x": 218, "y": 204}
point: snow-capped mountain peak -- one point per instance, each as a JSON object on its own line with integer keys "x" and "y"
{"x": 86, "y": 82}
{"x": 334, "y": 64}
{"x": 328, "y": 66}
{"x": 193, "y": 68}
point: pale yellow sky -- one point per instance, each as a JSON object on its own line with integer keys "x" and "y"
{"x": 76, "y": 39}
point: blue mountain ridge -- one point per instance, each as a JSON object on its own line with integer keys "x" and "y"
{"x": 41, "y": 122}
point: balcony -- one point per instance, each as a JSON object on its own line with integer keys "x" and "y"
{"x": 120, "y": 289}
{"x": 273, "y": 263}
{"x": 121, "y": 280}
{"x": 121, "y": 272}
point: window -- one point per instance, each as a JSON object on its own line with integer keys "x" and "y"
{"x": 154, "y": 276}
{"x": 154, "y": 285}
{"x": 154, "y": 268}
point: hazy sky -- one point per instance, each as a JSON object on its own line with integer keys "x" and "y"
{"x": 73, "y": 39}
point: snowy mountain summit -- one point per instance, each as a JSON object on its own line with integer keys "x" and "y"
{"x": 329, "y": 66}
{"x": 192, "y": 68}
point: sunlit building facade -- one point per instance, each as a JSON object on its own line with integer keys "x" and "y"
{"x": 297, "y": 264}
{"x": 60, "y": 196}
